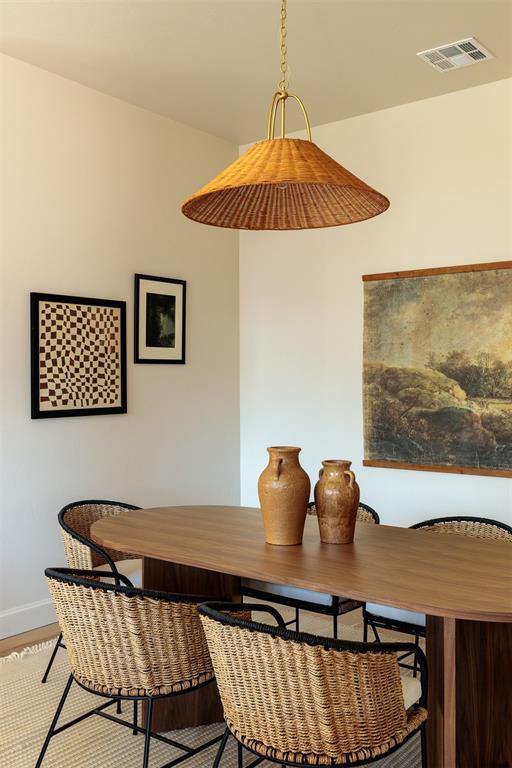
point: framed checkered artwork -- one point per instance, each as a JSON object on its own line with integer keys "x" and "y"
{"x": 160, "y": 312}
{"x": 78, "y": 349}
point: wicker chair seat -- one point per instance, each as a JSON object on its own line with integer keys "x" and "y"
{"x": 411, "y": 690}
{"x": 154, "y": 691}
{"x": 397, "y": 614}
{"x": 298, "y": 595}
{"x": 415, "y": 717}
{"x": 292, "y": 593}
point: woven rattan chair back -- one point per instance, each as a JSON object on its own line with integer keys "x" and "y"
{"x": 297, "y": 698}
{"x": 365, "y": 514}
{"x": 75, "y": 525}
{"x": 479, "y": 528}
{"x": 129, "y": 642}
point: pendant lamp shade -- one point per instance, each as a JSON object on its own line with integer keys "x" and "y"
{"x": 281, "y": 184}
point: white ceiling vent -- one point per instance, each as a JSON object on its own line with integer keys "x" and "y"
{"x": 456, "y": 55}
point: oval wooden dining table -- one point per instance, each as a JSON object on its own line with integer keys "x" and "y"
{"x": 462, "y": 584}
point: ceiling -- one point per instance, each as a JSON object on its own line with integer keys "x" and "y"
{"x": 214, "y": 64}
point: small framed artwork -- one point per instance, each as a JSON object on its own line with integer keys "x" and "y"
{"x": 78, "y": 356}
{"x": 160, "y": 304}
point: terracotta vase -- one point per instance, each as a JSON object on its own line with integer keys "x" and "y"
{"x": 283, "y": 489}
{"x": 336, "y": 501}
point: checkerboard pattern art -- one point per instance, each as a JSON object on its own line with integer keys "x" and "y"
{"x": 79, "y": 356}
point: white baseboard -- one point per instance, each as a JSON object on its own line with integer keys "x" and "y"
{"x": 25, "y": 617}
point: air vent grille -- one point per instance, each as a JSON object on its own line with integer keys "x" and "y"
{"x": 455, "y": 55}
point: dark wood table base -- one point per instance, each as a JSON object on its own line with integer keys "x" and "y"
{"x": 470, "y": 673}
{"x": 201, "y": 706}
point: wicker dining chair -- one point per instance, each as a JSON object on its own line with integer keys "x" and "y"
{"x": 306, "y": 599}
{"x": 75, "y": 522}
{"x": 298, "y": 699}
{"x": 409, "y": 622}
{"x": 166, "y": 655}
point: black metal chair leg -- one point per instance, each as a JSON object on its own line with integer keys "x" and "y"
{"x": 52, "y": 657}
{"x": 423, "y": 737}
{"x": 365, "y": 630}
{"x": 374, "y": 629}
{"x": 221, "y": 748}
{"x": 54, "y": 721}
{"x": 118, "y": 707}
{"x": 240, "y": 752}
{"x": 335, "y": 627}
{"x": 415, "y": 662}
{"x": 147, "y": 737}
{"x": 297, "y": 620}
{"x": 135, "y": 712}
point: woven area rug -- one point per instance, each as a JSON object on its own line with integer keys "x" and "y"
{"x": 27, "y": 708}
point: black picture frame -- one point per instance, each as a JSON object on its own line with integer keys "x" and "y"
{"x": 36, "y": 411}
{"x": 163, "y": 355}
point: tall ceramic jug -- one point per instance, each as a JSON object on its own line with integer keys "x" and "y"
{"x": 283, "y": 489}
{"x": 336, "y": 501}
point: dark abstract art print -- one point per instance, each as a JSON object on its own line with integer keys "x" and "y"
{"x": 160, "y": 320}
{"x": 160, "y": 304}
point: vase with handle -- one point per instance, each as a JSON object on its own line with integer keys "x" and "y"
{"x": 336, "y": 501}
{"x": 283, "y": 490}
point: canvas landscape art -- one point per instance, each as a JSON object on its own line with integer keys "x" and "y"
{"x": 438, "y": 369}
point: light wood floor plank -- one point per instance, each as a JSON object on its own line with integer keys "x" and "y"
{"x": 32, "y": 637}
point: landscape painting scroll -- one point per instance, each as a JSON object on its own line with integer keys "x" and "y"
{"x": 437, "y": 374}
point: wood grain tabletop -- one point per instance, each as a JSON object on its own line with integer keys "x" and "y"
{"x": 437, "y": 574}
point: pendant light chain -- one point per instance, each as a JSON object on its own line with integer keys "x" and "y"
{"x": 283, "y": 83}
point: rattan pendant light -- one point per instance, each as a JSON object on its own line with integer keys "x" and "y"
{"x": 284, "y": 183}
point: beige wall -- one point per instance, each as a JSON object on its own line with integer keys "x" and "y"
{"x": 91, "y": 190}
{"x": 446, "y": 165}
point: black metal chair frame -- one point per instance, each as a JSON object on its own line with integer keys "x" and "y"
{"x": 335, "y": 609}
{"x": 88, "y": 543}
{"x": 127, "y": 589}
{"x": 380, "y": 622}
{"x": 216, "y": 610}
